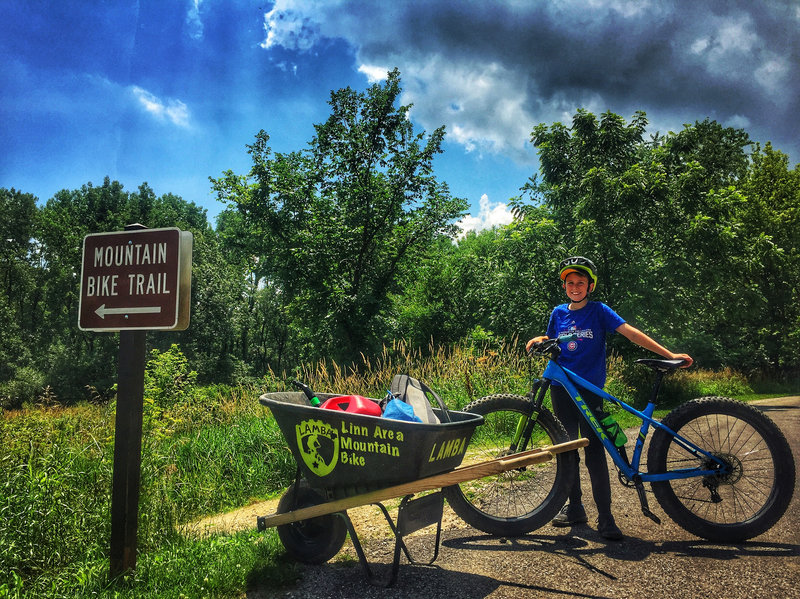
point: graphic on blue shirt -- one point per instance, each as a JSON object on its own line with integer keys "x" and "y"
{"x": 585, "y": 355}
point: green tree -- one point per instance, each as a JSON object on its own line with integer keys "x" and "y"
{"x": 441, "y": 300}
{"x": 661, "y": 218}
{"x": 335, "y": 225}
{"x": 771, "y": 216}
{"x": 73, "y": 359}
{"x": 20, "y": 272}
{"x": 213, "y": 340}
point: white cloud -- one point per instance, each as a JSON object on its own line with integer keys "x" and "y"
{"x": 491, "y": 74}
{"x": 373, "y": 73}
{"x": 772, "y": 73}
{"x": 729, "y": 48}
{"x": 738, "y": 121}
{"x": 481, "y": 105}
{"x": 289, "y": 27}
{"x": 699, "y": 45}
{"x": 489, "y": 215}
{"x": 172, "y": 110}
{"x": 626, "y": 8}
{"x": 736, "y": 35}
{"x": 490, "y": 115}
{"x": 193, "y": 20}
{"x": 726, "y": 46}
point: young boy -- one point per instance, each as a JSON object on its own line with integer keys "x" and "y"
{"x": 590, "y": 322}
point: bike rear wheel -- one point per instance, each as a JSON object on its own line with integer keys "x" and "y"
{"x": 730, "y": 506}
{"x": 516, "y": 501}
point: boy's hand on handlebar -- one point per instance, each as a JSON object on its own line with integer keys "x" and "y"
{"x": 535, "y": 341}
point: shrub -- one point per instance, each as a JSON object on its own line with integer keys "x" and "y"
{"x": 168, "y": 383}
{"x": 26, "y": 386}
{"x": 56, "y": 478}
{"x": 629, "y": 380}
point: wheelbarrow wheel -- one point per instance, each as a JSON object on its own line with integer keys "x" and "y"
{"x": 312, "y": 541}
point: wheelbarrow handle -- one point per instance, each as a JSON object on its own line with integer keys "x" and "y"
{"x": 437, "y": 481}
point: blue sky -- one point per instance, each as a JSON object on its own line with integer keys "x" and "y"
{"x": 171, "y": 91}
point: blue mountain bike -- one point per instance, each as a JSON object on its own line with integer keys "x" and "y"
{"x": 718, "y": 467}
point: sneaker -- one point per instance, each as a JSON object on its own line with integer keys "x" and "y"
{"x": 608, "y": 529}
{"x": 569, "y": 516}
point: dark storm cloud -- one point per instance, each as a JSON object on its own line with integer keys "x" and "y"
{"x": 680, "y": 61}
{"x": 689, "y": 60}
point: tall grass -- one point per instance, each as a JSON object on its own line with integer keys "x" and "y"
{"x": 460, "y": 374}
{"x": 214, "y": 450}
{"x": 205, "y": 450}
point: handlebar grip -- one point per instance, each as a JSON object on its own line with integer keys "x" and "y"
{"x": 549, "y": 344}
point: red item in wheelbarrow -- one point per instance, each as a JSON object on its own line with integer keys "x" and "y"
{"x": 355, "y": 404}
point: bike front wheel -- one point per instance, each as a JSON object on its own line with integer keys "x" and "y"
{"x": 516, "y": 501}
{"x": 745, "y": 498}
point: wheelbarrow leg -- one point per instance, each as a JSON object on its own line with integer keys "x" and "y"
{"x": 412, "y": 516}
{"x": 417, "y": 514}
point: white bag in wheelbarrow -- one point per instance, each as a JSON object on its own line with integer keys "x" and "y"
{"x": 410, "y": 390}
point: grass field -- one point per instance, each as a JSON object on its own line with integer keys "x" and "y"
{"x": 206, "y": 450}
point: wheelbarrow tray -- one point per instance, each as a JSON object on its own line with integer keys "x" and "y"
{"x": 344, "y": 454}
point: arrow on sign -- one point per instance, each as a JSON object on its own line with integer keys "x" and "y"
{"x": 102, "y": 310}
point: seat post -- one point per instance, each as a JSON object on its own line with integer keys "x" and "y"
{"x": 656, "y": 386}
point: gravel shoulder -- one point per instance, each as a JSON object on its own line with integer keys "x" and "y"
{"x": 550, "y": 562}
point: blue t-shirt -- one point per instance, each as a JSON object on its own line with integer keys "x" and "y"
{"x": 586, "y": 355}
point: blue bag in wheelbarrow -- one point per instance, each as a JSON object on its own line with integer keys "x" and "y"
{"x": 400, "y": 410}
{"x": 345, "y": 454}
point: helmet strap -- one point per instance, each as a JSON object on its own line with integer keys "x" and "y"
{"x": 582, "y": 302}
{"x": 585, "y": 297}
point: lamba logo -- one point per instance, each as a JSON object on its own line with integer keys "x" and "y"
{"x": 318, "y": 443}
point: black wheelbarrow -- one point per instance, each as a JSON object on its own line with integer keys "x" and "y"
{"x": 349, "y": 460}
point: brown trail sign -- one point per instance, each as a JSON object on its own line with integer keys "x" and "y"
{"x": 133, "y": 281}
{"x": 137, "y": 279}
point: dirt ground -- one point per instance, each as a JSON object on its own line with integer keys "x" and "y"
{"x": 551, "y": 562}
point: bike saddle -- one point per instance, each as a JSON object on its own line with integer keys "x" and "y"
{"x": 661, "y": 365}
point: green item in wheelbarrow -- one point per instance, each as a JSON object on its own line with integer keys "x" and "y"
{"x": 355, "y": 404}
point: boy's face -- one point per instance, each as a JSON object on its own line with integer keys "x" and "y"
{"x": 577, "y": 287}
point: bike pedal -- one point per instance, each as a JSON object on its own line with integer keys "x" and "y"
{"x": 651, "y": 515}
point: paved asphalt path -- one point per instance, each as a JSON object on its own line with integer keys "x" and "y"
{"x": 653, "y": 560}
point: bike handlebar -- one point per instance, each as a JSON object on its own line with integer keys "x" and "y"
{"x": 550, "y": 346}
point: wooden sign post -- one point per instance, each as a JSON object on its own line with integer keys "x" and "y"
{"x": 127, "y": 452}
{"x": 133, "y": 281}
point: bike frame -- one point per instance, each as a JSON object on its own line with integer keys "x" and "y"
{"x": 573, "y": 383}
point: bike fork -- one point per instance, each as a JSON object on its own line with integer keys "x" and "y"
{"x": 525, "y": 423}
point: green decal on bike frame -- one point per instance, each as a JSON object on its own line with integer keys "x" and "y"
{"x": 318, "y": 443}
{"x": 592, "y": 419}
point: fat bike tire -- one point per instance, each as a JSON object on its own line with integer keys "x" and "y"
{"x": 312, "y": 541}
{"x": 517, "y": 501}
{"x": 729, "y": 507}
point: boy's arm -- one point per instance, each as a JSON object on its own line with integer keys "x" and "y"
{"x": 636, "y": 336}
